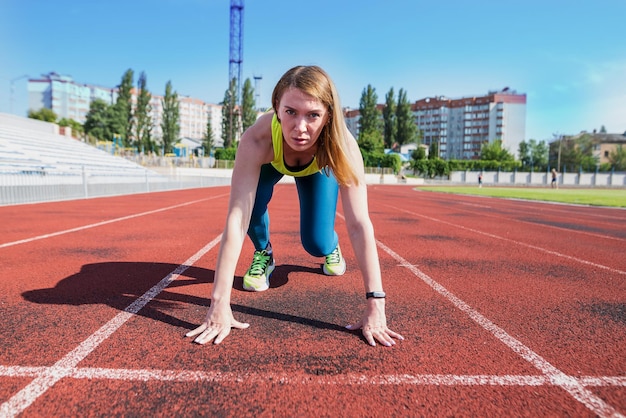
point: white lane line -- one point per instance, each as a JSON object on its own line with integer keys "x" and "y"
{"x": 62, "y": 368}
{"x": 123, "y": 218}
{"x": 555, "y": 207}
{"x": 590, "y": 234}
{"x": 568, "y": 383}
{"x": 147, "y": 375}
{"x": 523, "y": 244}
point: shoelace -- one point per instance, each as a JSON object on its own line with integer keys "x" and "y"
{"x": 259, "y": 263}
{"x": 334, "y": 257}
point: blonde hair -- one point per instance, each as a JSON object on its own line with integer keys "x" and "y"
{"x": 332, "y": 151}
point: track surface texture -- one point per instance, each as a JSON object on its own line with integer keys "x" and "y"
{"x": 509, "y": 308}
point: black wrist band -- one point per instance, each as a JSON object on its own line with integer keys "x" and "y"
{"x": 375, "y": 295}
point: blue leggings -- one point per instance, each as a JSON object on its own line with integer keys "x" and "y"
{"x": 318, "y": 204}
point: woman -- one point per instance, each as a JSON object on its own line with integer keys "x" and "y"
{"x": 304, "y": 136}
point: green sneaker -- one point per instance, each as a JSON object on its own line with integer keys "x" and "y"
{"x": 335, "y": 265}
{"x": 257, "y": 278}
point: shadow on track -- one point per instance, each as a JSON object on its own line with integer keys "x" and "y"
{"x": 119, "y": 284}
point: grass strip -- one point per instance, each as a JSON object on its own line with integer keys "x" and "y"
{"x": 593, "y": 197}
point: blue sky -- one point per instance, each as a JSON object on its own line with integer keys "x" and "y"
{"x": 569, "y": 57}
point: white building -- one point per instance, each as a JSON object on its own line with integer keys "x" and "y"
{"x": 461, "y": 126}
{"x": 65, "y": 97}
{"x": 71, "y": 100}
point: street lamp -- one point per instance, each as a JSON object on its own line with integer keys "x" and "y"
{"x": 13, "y": 90}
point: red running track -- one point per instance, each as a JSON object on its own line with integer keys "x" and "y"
{"x": 509, "y": 308}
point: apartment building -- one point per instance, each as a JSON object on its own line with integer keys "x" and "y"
{"x": 352, "y": 117}
{"x": 69, "y": 99}
{"x": 194, "y": 116}
{"x": 461, "y": 126}
{"x": 65, "y": 97}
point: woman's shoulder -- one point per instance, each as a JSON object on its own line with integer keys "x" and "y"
{"x": 261, "y": 129}
{"x": 258, "y": 139}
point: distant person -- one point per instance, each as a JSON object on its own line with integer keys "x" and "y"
{"x": 480, "y": 180}
{"x": 304, "y": 136}
{"x": 555, "y": 177}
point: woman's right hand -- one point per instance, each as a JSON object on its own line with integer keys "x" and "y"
{"x": 217, "y": 325}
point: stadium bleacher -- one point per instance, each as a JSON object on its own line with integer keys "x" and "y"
{"x": 39, "y": 164}
{"x": 32, "y": 146}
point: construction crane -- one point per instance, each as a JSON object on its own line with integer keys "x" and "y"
{"x": 236, "y": 46}
{"x": 234, "y": 60}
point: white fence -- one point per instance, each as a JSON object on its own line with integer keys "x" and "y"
{"x": 39, "y": 186}
{"x": 501, "y": 178}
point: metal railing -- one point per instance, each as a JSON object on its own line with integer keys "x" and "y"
{"x": 32, "y": 186}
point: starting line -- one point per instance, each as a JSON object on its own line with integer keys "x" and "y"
{"x": 147, "y": 375}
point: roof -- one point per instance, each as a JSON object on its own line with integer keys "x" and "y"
{"x": 603, "y": 138}
{"x": 403, "y": 157}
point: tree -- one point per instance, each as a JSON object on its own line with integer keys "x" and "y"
{"x": 44, "y": 114}
{"x": 208, "y": 141}
{"x": 123, "y": 108}
{"x": 143, "y": 121}
{"x": 617, "y": 158}
{"x": 371, "y": 142}
{"x": 533, "y": 155}
{"x": 98, "y": 120}
{"x": 370, "y": 135}
{"x": 584, "y": 153}
{"x": 230, "y": 115}
{"x": 389, "y": 119}
{"x": 523, "y": 150}
{"x": 407, "y": 129}
{"x": 433, "y": 150}
{"x": 417, "y": 156}
{"x": 248, "y": 105}
{"x": 370, "y": 115}
{"x": 576, "y": 153}
{"x": 493, "y": 151}
{"x": 170, "y": 125}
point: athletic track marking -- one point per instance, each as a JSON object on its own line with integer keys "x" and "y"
{"x": 46, "y": 377}
{"x": 123, "y": 218}
{"x": 62, "y": 368}
{"x": 147, "y": 375}
{"x": 555, "y": 376}
{"x": 523, "y": 244}
{"x": 591, "y": 234}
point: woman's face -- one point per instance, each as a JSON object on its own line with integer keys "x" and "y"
{"x": 302, "y": 118}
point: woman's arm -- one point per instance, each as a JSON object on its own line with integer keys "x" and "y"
{"x": 358, "y": 223}
{"x": 361, "y": 232}
{"x": 255, "y": 149}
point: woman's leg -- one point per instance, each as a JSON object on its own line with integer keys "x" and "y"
{"x": 318, "y": 204}
{"x": 259, "y": 229}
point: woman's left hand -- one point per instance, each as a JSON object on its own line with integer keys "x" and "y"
{"x": 374, "y": 325}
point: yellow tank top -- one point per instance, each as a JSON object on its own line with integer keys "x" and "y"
{"x": 279, "y": 162}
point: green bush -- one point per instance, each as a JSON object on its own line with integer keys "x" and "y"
{"x": 382, "y": 160}
{"x": 225, "y": 153}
